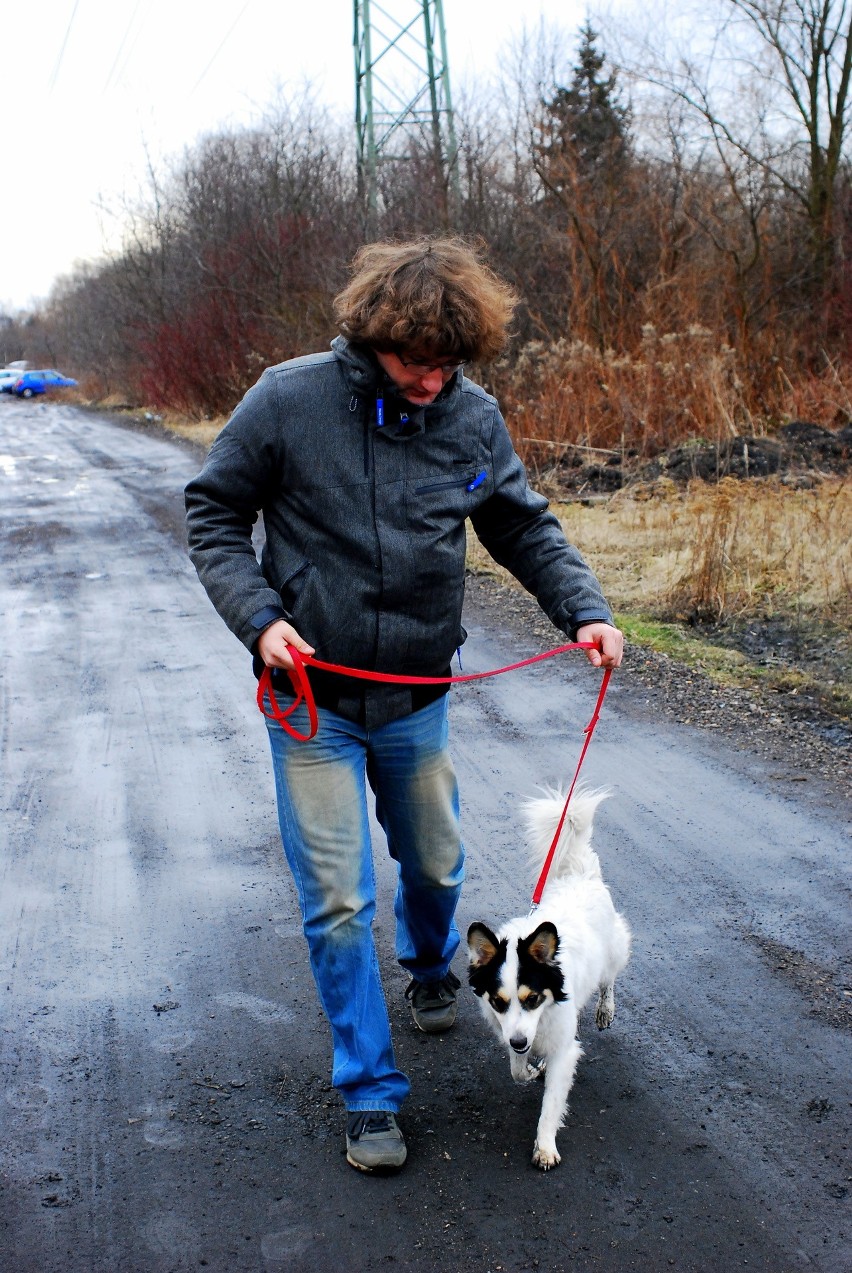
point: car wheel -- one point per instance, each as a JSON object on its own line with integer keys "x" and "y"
{"x": 26, "y": 393}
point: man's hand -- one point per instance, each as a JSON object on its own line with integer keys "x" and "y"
{"x": 609, "y": 644}
{"x": 273, "y": 641}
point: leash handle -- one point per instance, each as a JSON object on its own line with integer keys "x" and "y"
{"x": 303, "y": 692}
{"x": 588, "y": 731}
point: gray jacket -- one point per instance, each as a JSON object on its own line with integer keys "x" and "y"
{"x": 365, "y": 525}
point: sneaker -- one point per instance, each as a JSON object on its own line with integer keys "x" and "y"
{"x": 433, "y": 1003}
{"x": 374, "y": 1141}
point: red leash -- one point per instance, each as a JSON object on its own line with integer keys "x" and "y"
{"x": 302, "y": 685}
{"x": 304, "y": 693}
{"x": 588, "y": 731}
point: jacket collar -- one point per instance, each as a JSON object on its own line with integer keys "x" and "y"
{"x": 363, "y": 376}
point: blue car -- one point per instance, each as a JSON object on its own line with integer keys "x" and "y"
{"x": 34, "y": 382}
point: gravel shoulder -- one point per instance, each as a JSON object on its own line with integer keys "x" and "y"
{"x": 795, "y": 740}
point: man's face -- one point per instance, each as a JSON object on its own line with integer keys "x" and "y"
{"x": 419, "y": 377}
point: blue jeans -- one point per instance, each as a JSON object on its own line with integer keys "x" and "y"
{"x": 322, "y": 812}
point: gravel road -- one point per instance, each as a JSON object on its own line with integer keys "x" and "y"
{"x": 165, "y": 1099}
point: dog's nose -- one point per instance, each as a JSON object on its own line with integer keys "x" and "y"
{"x": 518, "y": 1043}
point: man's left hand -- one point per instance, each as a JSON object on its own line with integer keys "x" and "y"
{"x": 608, "y": 642}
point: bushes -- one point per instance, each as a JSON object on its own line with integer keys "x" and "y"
{"x": 570, "y": 394}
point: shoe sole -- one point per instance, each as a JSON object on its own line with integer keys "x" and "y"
{"x": 378, "y": 1169}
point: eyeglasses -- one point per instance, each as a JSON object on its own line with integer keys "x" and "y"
{"x": 423, "y": 368}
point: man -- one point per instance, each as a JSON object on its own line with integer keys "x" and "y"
{"x": 366, "y": 461}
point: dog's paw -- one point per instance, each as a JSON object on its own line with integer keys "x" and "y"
{"x": 527, "y": 1071}
{"x": 545, "y": 1158}
{"x": 538, "y": 1066}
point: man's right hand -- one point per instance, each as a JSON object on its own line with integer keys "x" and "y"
{"x": 273, "y": 641}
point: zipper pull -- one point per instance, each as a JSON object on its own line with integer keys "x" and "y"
{"x": 458, "y": 656}
{"x": 476, "y": 481}
{"x": 380, "y": 410}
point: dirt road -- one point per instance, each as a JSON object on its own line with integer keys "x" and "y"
{"x": 165, "y": 1102}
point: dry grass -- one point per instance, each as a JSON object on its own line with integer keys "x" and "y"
{"x": 204, "y": 432}
{"x": 569, "y": 393}
{"x": 732, "y": 551}
{"x": 716, "y": 553}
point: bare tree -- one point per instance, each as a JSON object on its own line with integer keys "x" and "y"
{"x": 771, "y": 84}
{"x": 810, "y": 45}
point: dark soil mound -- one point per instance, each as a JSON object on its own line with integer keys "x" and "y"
{"x": 800, "y": 453}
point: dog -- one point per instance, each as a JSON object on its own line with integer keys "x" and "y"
{"x": 535, "y": 975}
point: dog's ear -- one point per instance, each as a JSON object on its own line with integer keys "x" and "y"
{"x": 482, "y": 945}
{"x": 543, "y": 943}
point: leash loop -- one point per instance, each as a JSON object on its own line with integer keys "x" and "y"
{"x": 303, "y": 693}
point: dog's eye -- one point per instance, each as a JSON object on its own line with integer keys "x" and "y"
{"x": 532, "y": 1001}
{"x": 499, "y": 1005}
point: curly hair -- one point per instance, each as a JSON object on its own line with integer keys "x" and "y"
{"x": 430, "y": 296}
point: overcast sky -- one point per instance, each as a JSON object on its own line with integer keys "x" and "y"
{"x": 89, "y": 87}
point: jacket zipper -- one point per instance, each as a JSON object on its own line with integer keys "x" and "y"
{"x": 471, "y": 482}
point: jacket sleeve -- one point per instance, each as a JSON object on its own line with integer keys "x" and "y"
{"x": 516, "y": 527}
{"x": 222, "y": 506}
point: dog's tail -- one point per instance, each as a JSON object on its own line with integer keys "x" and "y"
{"x": 573, "y": 854}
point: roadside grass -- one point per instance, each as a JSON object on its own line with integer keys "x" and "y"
{"x": 202, "y": 432}
{"x": 751, "y": 582}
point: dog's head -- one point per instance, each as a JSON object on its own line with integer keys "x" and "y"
{"x": 518, "y": 977}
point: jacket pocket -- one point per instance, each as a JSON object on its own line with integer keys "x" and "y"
{"x": 290, "y": 587}
{"x": 469, "y": 482}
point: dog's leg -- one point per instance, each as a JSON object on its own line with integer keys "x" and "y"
{"x": 558, "y": 1079}
{"x": 605, "y": 1010}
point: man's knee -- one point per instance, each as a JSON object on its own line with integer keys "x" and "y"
{"x": 341, "y": 917}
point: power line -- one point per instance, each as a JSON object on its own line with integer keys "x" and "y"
{"x": 52, "y": 81}
{"x": 121, "y": 46}
{"x": 221, "y": 46}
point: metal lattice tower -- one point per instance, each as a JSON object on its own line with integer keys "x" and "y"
{"x": 402, "y": 92}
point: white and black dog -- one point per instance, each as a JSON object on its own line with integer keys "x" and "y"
{"x": 537, "y": 973}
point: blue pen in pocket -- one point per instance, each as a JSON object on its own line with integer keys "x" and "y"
{"x": 476, "y": 481}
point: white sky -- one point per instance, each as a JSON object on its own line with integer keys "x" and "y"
{"x": 88, "y": 87}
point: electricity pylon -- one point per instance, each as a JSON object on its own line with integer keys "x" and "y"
{"x": 402, "y": 92}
